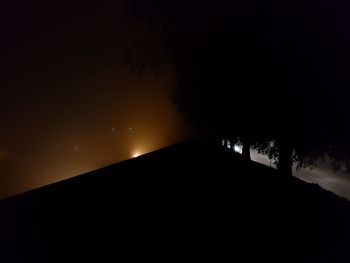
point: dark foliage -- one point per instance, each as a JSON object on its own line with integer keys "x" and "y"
{"x": 258, "y": 71}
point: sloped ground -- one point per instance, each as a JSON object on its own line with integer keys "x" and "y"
{"x": 337, "y": 182}
{"x": 191, "y": 201}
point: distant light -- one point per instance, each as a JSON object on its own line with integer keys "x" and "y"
{"x": 237, "y": 148}
{"x": 130, "y": 129}
{"x": 136, "y": 155}
{"x": 76, "y": 148}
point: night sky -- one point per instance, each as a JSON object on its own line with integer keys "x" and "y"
{"x": 70, "y": 102}
{"x": 85, "y": 84}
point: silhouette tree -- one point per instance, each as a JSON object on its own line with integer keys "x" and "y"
{"x": 221, "y": 83}
{"x": 251, "y": 76}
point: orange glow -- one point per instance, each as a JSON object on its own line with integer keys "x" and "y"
{"x": 136, "y": 154}
{"x": 79, "y": 143}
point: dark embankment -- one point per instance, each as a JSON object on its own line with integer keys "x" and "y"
{"x": 191, "y": 201}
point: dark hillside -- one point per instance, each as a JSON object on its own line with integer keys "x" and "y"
{"x": 191, "y": 201}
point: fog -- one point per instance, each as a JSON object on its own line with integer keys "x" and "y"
{"x": 321, "y": 174}
{"x": 59, "y": 134}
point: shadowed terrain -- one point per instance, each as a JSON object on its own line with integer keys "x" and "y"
{"x": 192, "y": 201}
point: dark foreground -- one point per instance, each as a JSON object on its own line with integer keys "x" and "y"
{"x": 192, "y": 201}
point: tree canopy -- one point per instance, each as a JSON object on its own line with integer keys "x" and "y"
{"x": 258, "y": 72}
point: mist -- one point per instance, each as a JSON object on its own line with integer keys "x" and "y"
{"x": 56, "y": 135}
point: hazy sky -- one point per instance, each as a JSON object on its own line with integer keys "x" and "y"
{"x": 69, "y": 101}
